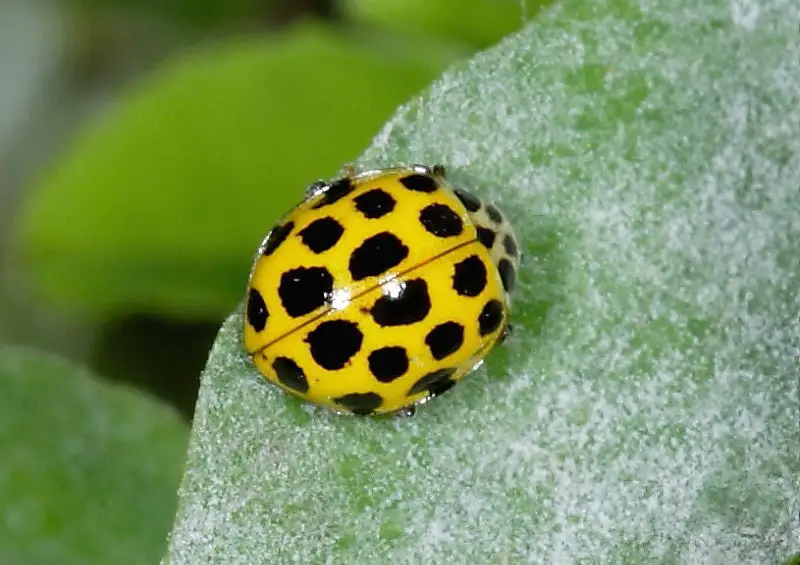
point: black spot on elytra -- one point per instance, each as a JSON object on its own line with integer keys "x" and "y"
{"x": 409, "y": 307}
{"x": 333, "y": 343}
{"x": 486, "y": 237}
{"x": 435, "y": 383}
{"x": 490, "y": 317}
{"x": 388, "y": 363}
{"x": 360, "y": 403}
{"x": 470, "y": 202}
{"x": 304, "y": 289}
{"x": 441, "y": 220}
{"x": 445, "y": 339}
{"x": 257, "y": 312}
{"x": 375, "y": 203}
{"x": 290, "y": 374}
{"x": 277, "y": 236}
{"x": 320, "y": 235}
{"x": 507, "y": 274}
{"x": 335, "y": 192}
{"x": 469, "y": 278}
{"x": 510, "y": 245}
{"x": 376, "y": 255}
{"x": 494, "y": 214}
{"x": 419, "y": 183}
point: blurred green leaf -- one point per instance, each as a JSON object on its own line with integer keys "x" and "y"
{"x": 479, "y": 23}
{"x": 208, "y": 13}
{"x": 160, "y": 205}
{"x": 88, "y": 471}
{"x": 645, "y": 408}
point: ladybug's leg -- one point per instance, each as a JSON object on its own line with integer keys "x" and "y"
{"x": 506, "y": 332}
{"x": 439, "y": 171}
{"x": 348, "y": 171}
{"x": 406, "y": 412}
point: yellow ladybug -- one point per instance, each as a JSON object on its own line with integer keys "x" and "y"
{"x": 380, "y": 291}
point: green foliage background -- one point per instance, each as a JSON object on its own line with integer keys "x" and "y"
{"x": 155, "y": 207}
{"x": 183, "y": 178}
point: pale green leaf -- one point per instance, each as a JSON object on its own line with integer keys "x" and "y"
{"x": 645, "y": 408}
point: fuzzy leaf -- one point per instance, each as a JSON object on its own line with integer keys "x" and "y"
{"x": 645, "y": 408}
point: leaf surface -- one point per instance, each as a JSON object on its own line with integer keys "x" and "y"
{"x": 645, "y": 408}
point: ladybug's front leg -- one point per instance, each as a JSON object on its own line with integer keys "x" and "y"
{"x": 348, "y": 171}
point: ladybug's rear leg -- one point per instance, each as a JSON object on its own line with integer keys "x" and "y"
{"x": 506, "y": 332}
